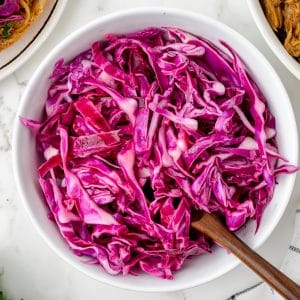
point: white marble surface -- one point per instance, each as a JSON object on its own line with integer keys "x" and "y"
{"x": 28, "y": 268}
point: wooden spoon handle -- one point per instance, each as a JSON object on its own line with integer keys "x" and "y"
{"x": 211, "y": 225}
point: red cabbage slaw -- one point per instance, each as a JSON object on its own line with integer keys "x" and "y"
{"x": 140, "y": 131}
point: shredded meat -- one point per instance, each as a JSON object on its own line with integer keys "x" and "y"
{"x": 273, "y": 13}
{"x": 284, "y": 18}
{"x": 292, "y": 26}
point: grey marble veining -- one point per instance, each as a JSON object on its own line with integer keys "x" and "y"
{"x": 28, "y": 268}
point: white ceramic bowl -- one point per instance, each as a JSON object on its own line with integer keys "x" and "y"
{"x": 272, "y": 40}
{"x": 205, "y": 267}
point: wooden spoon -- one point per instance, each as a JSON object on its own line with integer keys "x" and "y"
{"x": 212, "y": 226}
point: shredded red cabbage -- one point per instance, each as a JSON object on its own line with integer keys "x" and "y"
{"x": 140, "y": 131}
{"x": 8, "y": 7}
{"x": 10, "y": 11}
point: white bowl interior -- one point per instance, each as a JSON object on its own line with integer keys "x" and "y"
{"x": 205, "y": 267}
{"x": 272, "y": 40}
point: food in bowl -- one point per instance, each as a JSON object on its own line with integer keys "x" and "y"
{"x": 16, "y": 16}
{"x": 140, "y": 131}
{"x": 284, "y": 18}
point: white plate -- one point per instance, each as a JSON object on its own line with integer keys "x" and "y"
{"x": 18, "y": 53}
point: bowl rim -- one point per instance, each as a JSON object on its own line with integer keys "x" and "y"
{"x": 271, "y": 39}
{"x": 17, "y": 131}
